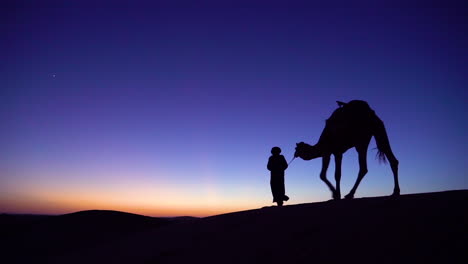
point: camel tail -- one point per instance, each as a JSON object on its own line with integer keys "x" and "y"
{"x": 380, "y": 156}
{"x": 381, "y": 138}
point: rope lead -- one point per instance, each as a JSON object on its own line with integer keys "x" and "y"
{"x": 291, "y": 160}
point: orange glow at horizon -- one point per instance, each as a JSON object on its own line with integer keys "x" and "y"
{"x": 138, "y": 201}
{"x": 145, "y": 191}
{"x": 27, "y": 206}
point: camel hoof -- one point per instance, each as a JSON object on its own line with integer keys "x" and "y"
{"x": 349, "y": 196}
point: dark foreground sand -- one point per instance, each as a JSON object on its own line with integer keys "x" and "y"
{"x": 416, "y": 228}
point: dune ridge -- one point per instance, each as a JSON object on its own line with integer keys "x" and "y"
{"x": 413, "y": 228}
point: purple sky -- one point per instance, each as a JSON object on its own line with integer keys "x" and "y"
{"x": 173, "y": 110}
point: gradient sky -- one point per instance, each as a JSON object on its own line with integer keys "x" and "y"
{"x": 169, "y": 110}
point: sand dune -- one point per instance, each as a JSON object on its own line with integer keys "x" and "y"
{"x": 416, "y": 228}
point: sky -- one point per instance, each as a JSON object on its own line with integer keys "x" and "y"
{"x": 172, "y": 109}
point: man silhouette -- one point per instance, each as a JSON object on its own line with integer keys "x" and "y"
{"x": 277, "y": 165}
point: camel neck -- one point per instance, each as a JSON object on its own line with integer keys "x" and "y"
{"x": 321, "y": 148}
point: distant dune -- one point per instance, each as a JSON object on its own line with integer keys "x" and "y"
{"x": 415, "y": 228}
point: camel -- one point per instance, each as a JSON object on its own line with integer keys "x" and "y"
{"x": 351, "y": 125}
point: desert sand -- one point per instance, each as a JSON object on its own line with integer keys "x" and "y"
{"x": 412, "y": 228}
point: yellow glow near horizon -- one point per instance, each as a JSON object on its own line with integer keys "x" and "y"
{"x": 145, "y": 200}
{"x": 142, "y": 191}
{"x": 67, "y": 204}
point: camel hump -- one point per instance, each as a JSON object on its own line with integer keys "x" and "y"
{"x": 353, "y": 110}
{"x": 354, "y": 103}
{"x": 340, "y": 104}
{"x": 357, "y": 106}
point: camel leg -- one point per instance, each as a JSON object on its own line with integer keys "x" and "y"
{"x": 338, "y": 159}
{"x": 394, "y": 165}
{"x": 362, "y": 153}
{"x": 323, "y": 174}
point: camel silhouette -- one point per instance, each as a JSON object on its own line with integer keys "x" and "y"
{"x": 351, "y": 125}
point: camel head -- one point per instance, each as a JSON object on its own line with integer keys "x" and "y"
{"x": 306, "y": 151}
